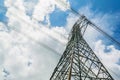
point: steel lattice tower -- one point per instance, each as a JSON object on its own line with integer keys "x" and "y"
{"x": 78, "y": 61}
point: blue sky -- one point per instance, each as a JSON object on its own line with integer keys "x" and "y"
{"x": 103, "y": 6}
{"x": 3, "y": 10}
{"x": 58, "y": 20}
{"x": 58, "y": 17}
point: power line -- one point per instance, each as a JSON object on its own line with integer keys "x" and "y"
{"x": 93, "y": 25}
{"x": 34, "y": 39}
{"x": 96, "y": 27}
{"x": 36, "y": 20}
{"x": 105, "y": 34}
{"x": 40, "y": 43}
{"x": 38, "y": 28}
{"x": 102, "y": 32}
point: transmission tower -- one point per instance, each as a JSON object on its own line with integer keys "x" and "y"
{"x": 78, "y": 61}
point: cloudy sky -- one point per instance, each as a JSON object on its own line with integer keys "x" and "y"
{"x": 34, "y": 33}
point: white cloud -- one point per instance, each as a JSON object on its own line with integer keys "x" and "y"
{"x": 106, "y": 22}
{"x": 2, "y": 27}
{"x": 23, "y": 45}
{"x": 29, "y": 42}
{"x": 109, "y": 59}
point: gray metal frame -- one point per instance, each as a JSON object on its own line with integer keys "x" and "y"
{"x": 78, "y": 61}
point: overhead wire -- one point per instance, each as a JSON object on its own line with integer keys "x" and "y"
{"x": 95, "y": 27}
{"x": 66, "y": 6}
{"x": 40, "y": 43}
{"x": 37, "y": 20}
{"x": 99, "y": 30}
{"x": 30, "y": 24}
{"x": 106, "y": 35}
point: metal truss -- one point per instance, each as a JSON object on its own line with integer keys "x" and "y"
{"x": 78, "y": 61}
